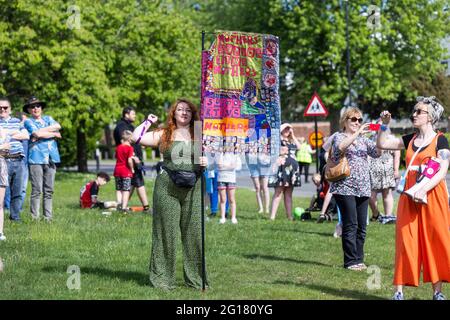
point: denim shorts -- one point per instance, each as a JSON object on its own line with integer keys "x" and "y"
{"x": 3, "y": 173}
{"x": 258, "y": 170}
{"x": 138, "y": 179}
{"x": 226, "y": 185}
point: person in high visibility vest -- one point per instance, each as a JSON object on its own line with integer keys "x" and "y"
{"x": 304, "y": 157}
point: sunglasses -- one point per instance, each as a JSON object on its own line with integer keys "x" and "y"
{"x": 4, "y": 108}
{"x": 354, "y": 119}
{"x": 419, "y": 112}
{"x": 35, "y": 106}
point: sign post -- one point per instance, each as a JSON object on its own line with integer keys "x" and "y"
{"x": 315, "y": 109}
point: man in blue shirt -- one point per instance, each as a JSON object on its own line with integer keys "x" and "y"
{"x": 43, "y": 156}
{"x": 14, "y": 159}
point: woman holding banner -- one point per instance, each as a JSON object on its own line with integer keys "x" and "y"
{"x": 176, "y": 196}
{"x": 422, "y": 229}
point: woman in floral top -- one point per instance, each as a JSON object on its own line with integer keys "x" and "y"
{"x": 352, "y": 193}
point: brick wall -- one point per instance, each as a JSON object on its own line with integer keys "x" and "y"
{"x": 304, "y": 129}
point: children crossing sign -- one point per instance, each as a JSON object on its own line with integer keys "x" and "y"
{"x": 315, "y": 107}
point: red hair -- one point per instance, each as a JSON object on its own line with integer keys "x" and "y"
{"x": 171, "y": 124}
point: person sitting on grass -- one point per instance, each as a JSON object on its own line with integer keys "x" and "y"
{"x": 123, "y": 171}
{"x": 89, "y": 193}
{"x": 317, "y": 199}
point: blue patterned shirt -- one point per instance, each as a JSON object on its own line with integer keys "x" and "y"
{"x": 11, "y": 125}
{"x": 42, "y": 150}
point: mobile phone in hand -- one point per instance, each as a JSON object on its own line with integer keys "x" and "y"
{"x": 374, "y": 126}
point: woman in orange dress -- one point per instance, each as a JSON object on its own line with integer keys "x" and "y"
{"x": 422, "y": 230}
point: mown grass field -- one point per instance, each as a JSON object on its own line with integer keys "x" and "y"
{"x": 256, "y": 259}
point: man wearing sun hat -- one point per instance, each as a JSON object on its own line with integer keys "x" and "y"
{"x": 43, "y": 156}
{"x": 15, "y": 133}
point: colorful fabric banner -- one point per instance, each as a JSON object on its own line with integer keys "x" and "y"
{"x": 240, "y": 105}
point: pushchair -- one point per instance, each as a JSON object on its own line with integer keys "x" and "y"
{"x": 317, "y": 201}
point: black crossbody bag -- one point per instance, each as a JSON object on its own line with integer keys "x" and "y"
{"x": 181, "y": 178}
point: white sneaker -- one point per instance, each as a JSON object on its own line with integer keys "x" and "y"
{"x": 222, "y": 220}
{"x": 234, "y": 221}
{"x": 2, "y": 237}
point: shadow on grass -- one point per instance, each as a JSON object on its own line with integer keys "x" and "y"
{"x": 72, "y": 206}
{"x": 141, "y": 279}
{"x": 275, "y": 258}
{"x": 345, "y": 293}
{"x": 322, "y": 234}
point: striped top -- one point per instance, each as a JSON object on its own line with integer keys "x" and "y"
{"x": 11, "y": 125}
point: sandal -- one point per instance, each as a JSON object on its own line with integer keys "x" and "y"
{"x": 375, "y": 218}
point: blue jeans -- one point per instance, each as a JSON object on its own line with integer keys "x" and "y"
{"x": 15, "y": 175}
{"x": 7, "y": 203}
{"x": 7, "y": 198}
{"x": 354, "y": 220}
{"x": 24, "y": 185}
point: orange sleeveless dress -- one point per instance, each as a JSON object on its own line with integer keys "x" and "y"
{"x": 422, "y": 230}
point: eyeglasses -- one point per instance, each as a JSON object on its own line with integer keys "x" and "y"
{"x": 4, "y": 108}
{"x": 419, "y": 112}
{"x": 354, "y": 119}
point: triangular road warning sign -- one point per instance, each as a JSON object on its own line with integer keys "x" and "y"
{"x": 315, "y": 107}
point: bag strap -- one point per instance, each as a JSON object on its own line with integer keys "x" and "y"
{"x": 342, "y": 154}
{"x": 425, "y": 142}
{"x": 198, "y": 173}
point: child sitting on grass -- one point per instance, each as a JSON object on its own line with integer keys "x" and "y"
{"x": 89, "y": 193}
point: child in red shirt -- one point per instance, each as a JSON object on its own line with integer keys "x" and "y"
{"x": 124, "y": 170}
{"x": 89, "y": 192}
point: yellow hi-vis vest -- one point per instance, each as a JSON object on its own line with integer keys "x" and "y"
{"x": 303, "y": 154}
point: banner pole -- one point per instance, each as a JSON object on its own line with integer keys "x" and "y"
{"x": 202, "y": 183}
{"x": 317, "y": 143}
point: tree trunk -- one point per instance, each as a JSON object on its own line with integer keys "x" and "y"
{"x": 81, "y": 150}
{"x": 108, "y": 141}
{"x": 334, "y": 118}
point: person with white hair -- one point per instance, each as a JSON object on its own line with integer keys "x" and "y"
{"x": 422, "y": 229}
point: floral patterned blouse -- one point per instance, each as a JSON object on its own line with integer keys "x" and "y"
{"x": 358, "y": 183}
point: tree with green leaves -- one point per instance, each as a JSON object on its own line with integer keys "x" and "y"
{"x": 390, "y": 46}
{"x": 89, "y": 60}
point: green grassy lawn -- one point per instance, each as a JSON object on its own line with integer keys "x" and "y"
{"x": 256, "y": 259}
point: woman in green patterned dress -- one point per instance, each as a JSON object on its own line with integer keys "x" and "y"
{"x": 175, "y": 207}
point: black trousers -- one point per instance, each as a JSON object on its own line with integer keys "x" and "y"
{"x": 354, "y": 221}
{"x": 305, "y": 166}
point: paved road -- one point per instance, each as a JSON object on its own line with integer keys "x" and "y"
{"x": 243, "y": 178}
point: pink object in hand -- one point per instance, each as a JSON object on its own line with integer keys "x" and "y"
{"x": 431, "y": 168}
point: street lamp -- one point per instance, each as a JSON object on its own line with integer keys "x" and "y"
{"x": 349, "y": 78}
